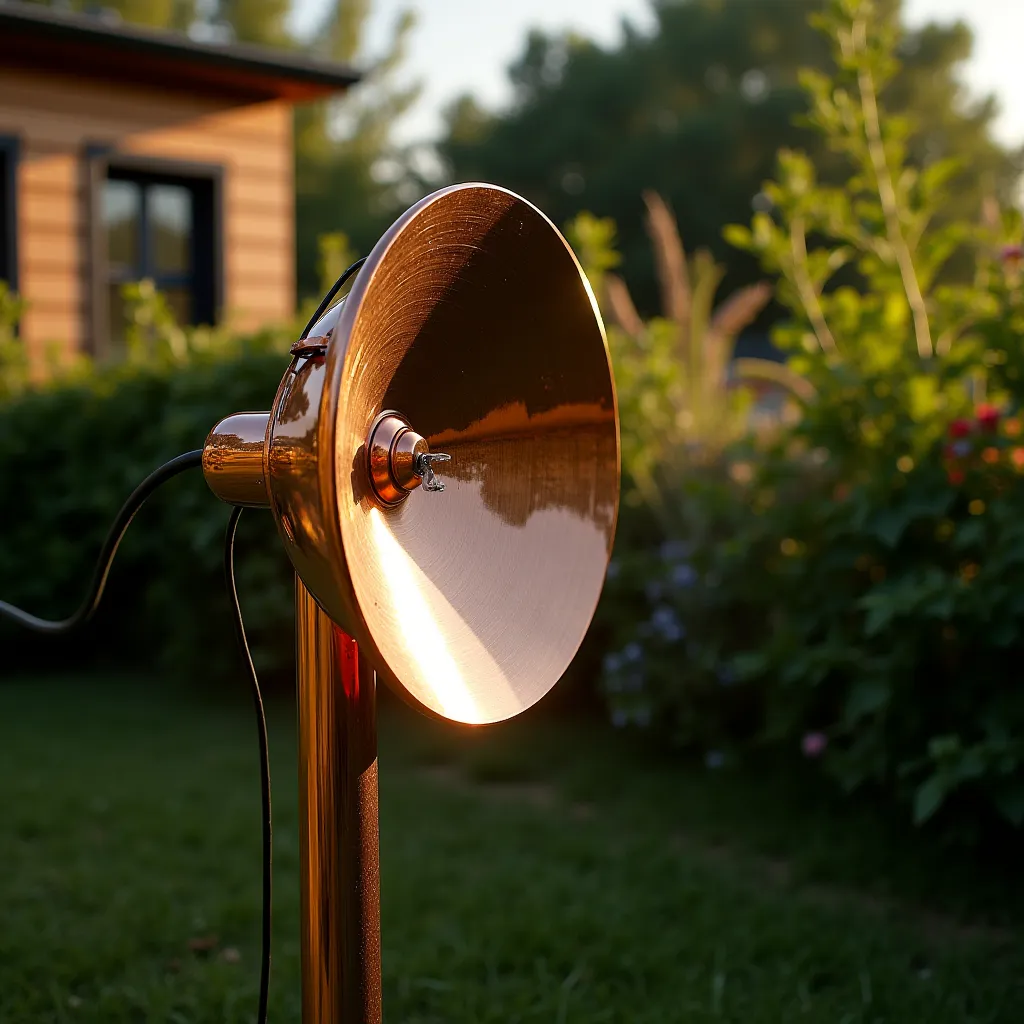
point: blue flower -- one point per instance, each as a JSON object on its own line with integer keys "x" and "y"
{"x": 612, "y": 663}
{"x": 684, "y": 575}
{"x": 961, "y": 448}
{"x": 632, "y": 653}
{"x": 619, "y": 718}
{"x": 666, "y": 624}
{"x": 675, "y": 551}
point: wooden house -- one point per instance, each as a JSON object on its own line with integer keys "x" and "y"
{"x": 128, "y": 153}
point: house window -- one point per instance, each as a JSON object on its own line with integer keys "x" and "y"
{"x": 159, "y": 226}
{"x": 8, "y": 212}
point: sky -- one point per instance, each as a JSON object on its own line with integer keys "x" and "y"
{"x": 465, "y": 45}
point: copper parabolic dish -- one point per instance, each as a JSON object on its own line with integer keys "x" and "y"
{"x": 473, "y": 319}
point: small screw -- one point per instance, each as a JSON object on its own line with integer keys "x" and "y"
{"x": 425, "y": 470}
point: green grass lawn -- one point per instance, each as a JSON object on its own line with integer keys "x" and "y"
{"x": 538, "y": 871}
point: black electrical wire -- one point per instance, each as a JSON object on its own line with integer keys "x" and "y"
{"x": 116, "y": 533}
{"x": 92, "y": 600}
{"x": 257, "y": 698}
{"x": 328, "y": 298}
{"x": 88, "y": 607}
{"x": 261, "y": 726}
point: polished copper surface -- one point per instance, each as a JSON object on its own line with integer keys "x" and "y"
{"x": 407, "y": 447}
{"x": 472, "y": 317}
{"x": 392, "y": 447}
{"x": 233, "y": 459}
{"x": 338, "y": 860}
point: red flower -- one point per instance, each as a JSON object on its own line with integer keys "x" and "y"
{"x": 988, "y": 417}
{"x": 959, "y": 428}
{"x": 956, "y": 477}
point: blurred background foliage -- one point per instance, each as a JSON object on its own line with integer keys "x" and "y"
{"x": 698, "y": 109}
{"x": 849, "y": 584}
{"x": 821, "y": 556}
{"x": 74, "y": 450}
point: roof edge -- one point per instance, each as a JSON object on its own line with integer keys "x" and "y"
{"x": 100, "y": 33}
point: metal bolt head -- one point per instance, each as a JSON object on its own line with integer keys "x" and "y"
{"x": 399, "y": 459}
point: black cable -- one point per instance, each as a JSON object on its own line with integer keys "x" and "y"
{"x": 88, "y": 607}
{"x": 99, "y": 579}
{"x": 257, "y": 697}
{"x": 261, "y": 724}
{"x": 322, "y": 308}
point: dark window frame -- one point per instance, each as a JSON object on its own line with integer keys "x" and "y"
{"x": 207, "y": 182}
{"x": 10, "y": 148}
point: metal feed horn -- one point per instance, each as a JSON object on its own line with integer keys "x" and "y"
{"x": 441, "y": 459}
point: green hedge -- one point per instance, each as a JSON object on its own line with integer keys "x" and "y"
{"x": 71, "y": 453}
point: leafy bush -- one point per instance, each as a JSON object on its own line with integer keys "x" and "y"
{"x": 673, "y": 372}
{"x": 71, "y": 452}
{"x": 885, "y": 617}
{"x": 13, "y": 364}
{"x": 854, "y": 586}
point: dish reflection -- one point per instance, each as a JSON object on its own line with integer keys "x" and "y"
{"x": 478, "y": 596}
{"x": 434, "y": 637}
{"x": 473, "y": 320}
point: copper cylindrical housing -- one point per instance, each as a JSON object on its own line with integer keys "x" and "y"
{"x": 392, "y": 448}
{"x": 234, "y": 459}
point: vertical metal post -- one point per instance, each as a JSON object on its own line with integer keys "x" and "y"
{"x": 338, "y": 827}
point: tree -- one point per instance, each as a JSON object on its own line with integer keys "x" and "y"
{"x": 255, "y": 21}
{"x": 697, "y": 110}
{"x": 351, "y": 180}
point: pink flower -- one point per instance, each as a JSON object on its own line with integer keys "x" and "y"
{"x": 1011, "y": 254}
{"x": 814, "y": 744}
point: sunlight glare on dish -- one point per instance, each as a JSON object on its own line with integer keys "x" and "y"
{"x": 420, "y": 608}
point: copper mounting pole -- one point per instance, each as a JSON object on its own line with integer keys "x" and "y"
{"x": 338, "y": 826}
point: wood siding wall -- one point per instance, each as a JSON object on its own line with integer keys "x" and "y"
{"x": 58, "y": 121}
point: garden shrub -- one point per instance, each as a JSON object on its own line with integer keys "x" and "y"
{"x": 882, "y": 619}
{"x": 72, "y": 450}
{"x": 852, "y": 586}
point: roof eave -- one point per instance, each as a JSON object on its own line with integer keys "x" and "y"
{"x": 261, "y": 70}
